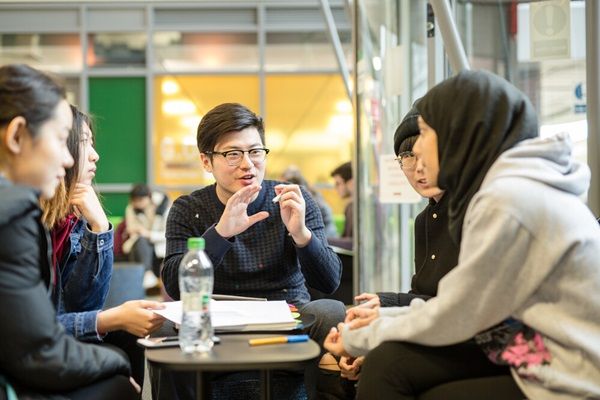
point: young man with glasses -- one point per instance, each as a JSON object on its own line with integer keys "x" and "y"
{"x": 265, "y": 239}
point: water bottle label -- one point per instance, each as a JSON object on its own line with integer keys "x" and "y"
{"x": 205, "y": 302}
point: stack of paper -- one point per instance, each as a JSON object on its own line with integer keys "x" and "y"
{"x": 240, "y": 316}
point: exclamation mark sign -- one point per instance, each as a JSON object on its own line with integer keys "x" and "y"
{"x": 549, "y": 14}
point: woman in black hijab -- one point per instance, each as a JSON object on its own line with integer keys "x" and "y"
{"x": 527, "y": 283}
{"x": 484, "y": 116}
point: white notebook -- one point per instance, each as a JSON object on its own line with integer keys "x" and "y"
{"x": 240, "y": 316}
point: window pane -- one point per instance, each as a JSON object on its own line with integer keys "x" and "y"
{"x": 554, "y": 81}
{"x": 49, "y": 52}
{"x": 116, "y": 50}
{"x": 313, "y": 131}
{"x": 300, "y": 51}
{"x": 180, "y": 51}
{"x": 180, "y": 102}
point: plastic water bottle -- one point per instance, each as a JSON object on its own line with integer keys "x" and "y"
{"x": 195, "y": 287}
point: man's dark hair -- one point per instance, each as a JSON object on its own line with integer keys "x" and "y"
{"x": 29, "y": 93}
{"x": 140, "y": 190}
{"x": 223, "y": 119}
{"x": 344, "y": 170}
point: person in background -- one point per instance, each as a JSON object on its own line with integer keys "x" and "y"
{"x": 146, "y": 223}
{"x": 527, "y": 283}
{"x": 82, "y": 258}
{"x": 344, "y": 185}
{"x": 38, "y": 358}
{"x": 264, "y": 238}
{"x": 293, "y": 175}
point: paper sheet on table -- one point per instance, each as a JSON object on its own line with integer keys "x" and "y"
{"x": 240, "y": 315}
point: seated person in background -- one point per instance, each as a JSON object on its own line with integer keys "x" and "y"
{"x": 146, "y": 221}
{"x": 527, "y": 283}
{"x": 344, "y": 185}
{"x": 293, "y": 175}
{"x": 258, "y": 247}
{"x": 37, "y": 357}
{"x": 82, "y": 257}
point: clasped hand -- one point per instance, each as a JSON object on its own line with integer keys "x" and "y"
{"x": 356, "y": 317}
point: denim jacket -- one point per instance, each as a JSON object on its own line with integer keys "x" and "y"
{"x": 83, "y": 281}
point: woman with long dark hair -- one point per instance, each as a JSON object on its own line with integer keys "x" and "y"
{"x": 82, "y": 258}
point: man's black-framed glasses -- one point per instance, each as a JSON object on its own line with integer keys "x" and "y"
{"x": 233, "y": 158}
{"x": 407, "y": 160}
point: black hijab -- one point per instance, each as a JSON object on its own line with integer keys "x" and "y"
{"x": 477, "y": 116}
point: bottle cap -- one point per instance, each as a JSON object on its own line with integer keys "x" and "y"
{"x": 195, "y": 243}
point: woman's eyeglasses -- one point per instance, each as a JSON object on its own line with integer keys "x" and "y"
{"x": 407, "y": 160}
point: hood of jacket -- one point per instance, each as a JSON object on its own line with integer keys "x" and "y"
{"x": 546, "y": 160}
{"x": 15, "y": 200}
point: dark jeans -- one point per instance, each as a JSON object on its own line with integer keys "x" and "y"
{"x": 180, "y": 385}
{"x": 143, "y": 252}
{"x": 397, "y": 370}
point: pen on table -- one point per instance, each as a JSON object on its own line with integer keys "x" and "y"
{"x": 278, "y": 340}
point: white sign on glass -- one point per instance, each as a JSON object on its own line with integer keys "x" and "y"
{"x": 550, "y": 23}
{"x": 393, "y": 185}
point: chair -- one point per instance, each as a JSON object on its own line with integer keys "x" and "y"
{"x": 125, "y": 284}
{"x": 344, "y": 292}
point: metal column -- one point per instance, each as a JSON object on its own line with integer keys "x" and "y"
{"x": 337, "y": 46}
{"x": 454, "y": 48}
{"x": 592, "y": 41}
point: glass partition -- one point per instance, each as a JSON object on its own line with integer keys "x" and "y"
{"x": 391, "y": 35}
{"x": 111, "y": 50}
{"x": 299, "y": 51}
{"x": 180, "y": 103}
{"x": 540, "y": 48}
{"x": 48, "y": 51}
{"x": 309, "y": 124}
{"x": 183, "y": 51}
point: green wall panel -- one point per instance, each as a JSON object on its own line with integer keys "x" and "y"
{"x": 114, "y": 203}
{"x": 119, "y": 109}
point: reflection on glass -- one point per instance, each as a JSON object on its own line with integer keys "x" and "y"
{"x": 298, "y": 51}
{"x": 385, "y": 253}
{"x": 50, "y": 52}
{"x": 181, "y": 51}
{"x": 554, "y": 79}
{"x": 180, "y": 103}
{"x": 107, "y": 50}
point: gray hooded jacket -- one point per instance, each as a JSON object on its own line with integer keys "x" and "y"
{"x": 530, "y": 250}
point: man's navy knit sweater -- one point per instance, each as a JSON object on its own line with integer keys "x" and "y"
{"x": 262, "y": 261}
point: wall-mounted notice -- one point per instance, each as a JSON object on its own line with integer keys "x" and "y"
{"x": 393, "y": 185}
{"x": 550, "y": 23}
